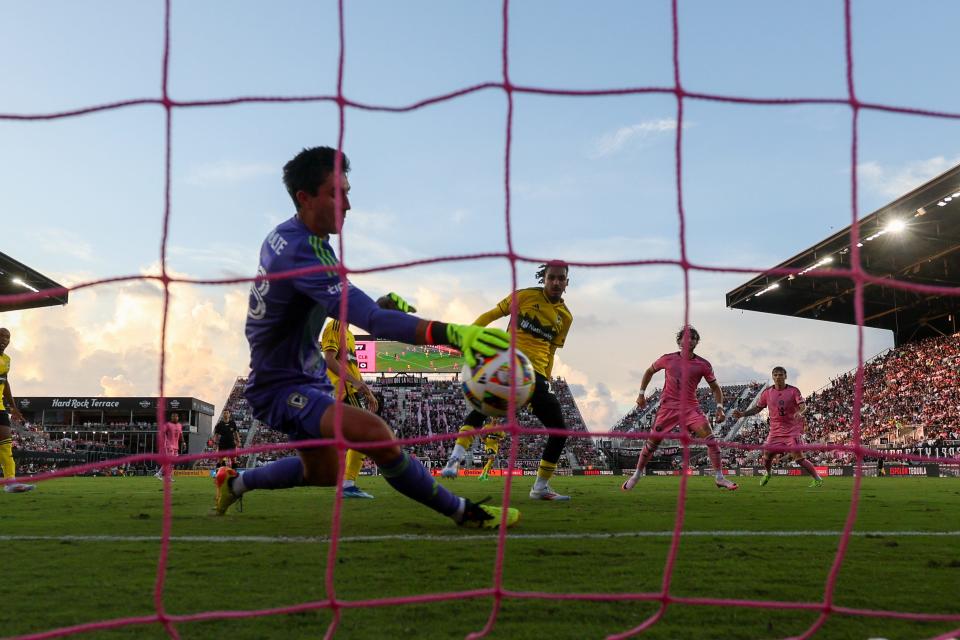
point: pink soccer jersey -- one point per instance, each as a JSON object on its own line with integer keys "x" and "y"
{"x": 783, "y": 404}
{"x": 171, "y": 437}
{"x": 672, "y": 365}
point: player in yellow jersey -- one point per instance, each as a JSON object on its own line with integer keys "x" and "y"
{"x": 542, "y": 322}
{"x": 7, "y": 409}
{"x": 491, "y": 447}
{"x": 354, "y": 386}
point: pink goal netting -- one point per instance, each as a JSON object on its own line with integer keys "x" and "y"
{"x": 826, "y": 606}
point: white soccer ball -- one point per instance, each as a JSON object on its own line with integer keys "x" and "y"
{"x": 486, "y": 386}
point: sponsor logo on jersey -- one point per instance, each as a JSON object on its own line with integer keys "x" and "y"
{"x": 530, "y": 325}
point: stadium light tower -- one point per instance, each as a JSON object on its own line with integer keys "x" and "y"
{"x": 896, "y": 226}
{"x": 18, "y": 281}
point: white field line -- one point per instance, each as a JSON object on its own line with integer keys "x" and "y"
{"x": 490, "y": 536}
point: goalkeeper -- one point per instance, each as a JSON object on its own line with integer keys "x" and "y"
{"x": 288, "y": 387}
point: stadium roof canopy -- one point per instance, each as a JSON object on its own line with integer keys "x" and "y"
{"x": 914, "y": 239}
{"x": 16, "y": 277}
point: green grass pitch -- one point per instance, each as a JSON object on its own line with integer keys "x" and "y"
{"x": 396, "y": 357}
{"x": 57, "y": 572}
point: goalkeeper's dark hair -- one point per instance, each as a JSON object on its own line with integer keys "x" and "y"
{"x": 694, "y": 334}
{"x": 309, "y": 169}
{"x": 542, "y": 271}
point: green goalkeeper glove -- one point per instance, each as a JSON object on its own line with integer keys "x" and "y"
{"x": 394, "y": 302}
{"x": 470, "y": 338}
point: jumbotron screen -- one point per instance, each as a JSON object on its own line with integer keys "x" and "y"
{"x": 387, "y": 356}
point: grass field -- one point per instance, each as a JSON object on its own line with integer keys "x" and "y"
{"x": 757, "y": 544}
{"x": 397, "y": 357}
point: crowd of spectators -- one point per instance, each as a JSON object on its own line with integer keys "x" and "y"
{"x": 910, "y": 397}
{"x": 420, "y": 407}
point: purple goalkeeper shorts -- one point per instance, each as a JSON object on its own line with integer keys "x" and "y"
{"x": 296, "y": 411}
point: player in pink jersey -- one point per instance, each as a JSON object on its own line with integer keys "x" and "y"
{"x": 786, "y": 407}
{"x": 679, "y": 406}
{"x": 171, "y": 437}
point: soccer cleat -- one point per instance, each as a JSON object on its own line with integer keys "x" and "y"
{"x": 547, "y": 494}
{"x": 356, "y": 492}
{"x": 630, "y": 483}
{"x": 723, "y": 483}
{"x": 450, "y": 471}
{"x": 225, "y": 497}
{"x": 765, "y": 480}
{"x": 481, "y": 516}
{"x": 816, "y": 483}
{"x": 19, "y": 487}
{"x": 483, "y": 477}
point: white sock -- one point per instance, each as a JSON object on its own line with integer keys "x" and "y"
{"x": 458, "y": 454}
{"x": 719, "y": 475}
{"x": 237, "y": 487}
{"x": 347, "y": 484}
{"x": 458, "y": 514}
{"x": 540, "y": 484}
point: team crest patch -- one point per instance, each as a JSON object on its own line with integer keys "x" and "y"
{"x": 297, "y": 400}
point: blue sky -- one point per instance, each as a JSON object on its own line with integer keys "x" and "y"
{"x": 592, "y": 178}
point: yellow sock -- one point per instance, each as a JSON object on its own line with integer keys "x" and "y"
{"x": 353, "y": 464}
{"x": 491, "y": 458}
{"x": 466, "y": 436}
{"x": 545, "y": 470}
{"x": 6, "y": 459}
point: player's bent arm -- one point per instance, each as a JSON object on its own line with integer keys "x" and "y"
{"x": 9, "y": 403}
{"x": 718, "y": 398}
{"x": 333, "y": 366}
{"x": 644, "y": 382}
{"x": 749, "y": 412}
{"x": 489, "y": 316}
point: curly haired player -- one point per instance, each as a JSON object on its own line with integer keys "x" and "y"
{"x": 543, "y": 321}
{"x": 679, "y": 406}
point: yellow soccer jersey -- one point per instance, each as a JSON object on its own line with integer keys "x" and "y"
{"x": 330, "y": 341}
{"x": 4, "y": 370}
{"x": 542, "y": 326}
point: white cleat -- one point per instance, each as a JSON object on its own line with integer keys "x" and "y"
{"x": 723, "y": 483}
{"x": 547, "y": 494}
{"x": 19, "y": 488}
{"x": 451, "y": 470}
{"x": 631, "y": 482}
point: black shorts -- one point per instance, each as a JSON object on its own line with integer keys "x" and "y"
{"x": 4, "y": 418}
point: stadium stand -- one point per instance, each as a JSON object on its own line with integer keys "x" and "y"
{"x": 417, "y": 406}
{"x": 623, "y": 453}
{"x": 910, "y": 396}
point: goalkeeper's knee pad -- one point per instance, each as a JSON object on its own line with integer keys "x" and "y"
{"x": 466, "y": 436}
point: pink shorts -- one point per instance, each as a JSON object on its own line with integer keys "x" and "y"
{"x": 667, "y": 419}
{"x": 784, "y": 441}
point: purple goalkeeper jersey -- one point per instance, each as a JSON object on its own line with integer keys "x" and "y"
{"x": 286, "y": 315}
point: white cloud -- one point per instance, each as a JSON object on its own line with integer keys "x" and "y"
{"x": 612, "y": 142}
{"x": 893, "y": 182}
{"x": 227, "y": 172}
{"x": 64, "y": 243}
{"x": 106, "y": 341}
